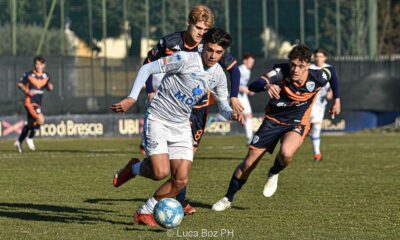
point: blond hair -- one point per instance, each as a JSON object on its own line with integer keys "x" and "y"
{"x": 201, "y": 13}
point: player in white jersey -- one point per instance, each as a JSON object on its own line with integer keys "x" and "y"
{"x": 245, "y": 72}
{"x": 168, "y": 138}
{"x": 318, "y": 109}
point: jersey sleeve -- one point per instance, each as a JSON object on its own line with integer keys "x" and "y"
{"x": 174, "y": 63}
{"x": 220, "y": 94}
{"x": 157, "y": 52}
{"x": 23, "y": 79}
{"x": 227, "y": 61}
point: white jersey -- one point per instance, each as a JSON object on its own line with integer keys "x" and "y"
{"x": 186, "y": 81}
{"x": 321, "y": 95}
{"x": 244, "y": 75}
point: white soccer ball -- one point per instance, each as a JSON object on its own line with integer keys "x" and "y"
{"x": 168, "y": 213}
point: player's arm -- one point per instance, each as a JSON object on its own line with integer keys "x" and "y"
{"x": 269, "y": 82}
{"x": 23, "y": 85}
{"x": 230, "y": 64}
{"x": 170, "y": 64}
{"x": 154, "y": 54}
{"x": 220, "y": 93}
{"x": 49, "y": 86}
{"x": 334, "y": 83}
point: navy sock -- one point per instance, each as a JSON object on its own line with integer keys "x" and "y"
{"x": 24, "y": 133}
{"x": 234, "y": 186}
{"x": 181, "y": 197}
{"x": 33, "y": 131}
{"x": 277, "y": 167}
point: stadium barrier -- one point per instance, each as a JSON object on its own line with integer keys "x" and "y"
{"x": 131, "y": 125}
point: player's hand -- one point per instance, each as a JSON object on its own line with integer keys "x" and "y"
{"x": 335, "y": 109}
{"x": 50, "y": 87}
{"x": 150, "y": 96}
{"x": 273, "y": 91}
{"x": 123, "y": 106}
{"x": 237, "y": 117}
{"x": 236, "y": 105}
{"x": 31, "y": 92}
{"x": 251, "y": 93}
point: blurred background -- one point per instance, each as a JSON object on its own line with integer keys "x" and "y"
{"x": 94, "y": 48}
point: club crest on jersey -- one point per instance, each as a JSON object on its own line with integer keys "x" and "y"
{"x": 310, "y": 86}
{"x": 197, "y": 91}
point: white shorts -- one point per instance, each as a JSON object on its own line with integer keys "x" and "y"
{"x": 166, "y": 137}
{"x": 244, "y": 100}
{"x": 317, "y": 113}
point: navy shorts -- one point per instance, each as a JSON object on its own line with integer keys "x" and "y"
{"x": 270, "y": 132}
{"x": 198, "y": 122}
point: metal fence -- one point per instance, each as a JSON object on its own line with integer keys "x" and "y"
{"x": 84, "y": 85}
{"x": 263, "y": 27}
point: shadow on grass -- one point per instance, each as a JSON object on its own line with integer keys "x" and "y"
{"x": 112, "y": 201}
{"x": 82, "y": 151}
{"x": 54, "y": 213}
{"x": 197, "y": 204}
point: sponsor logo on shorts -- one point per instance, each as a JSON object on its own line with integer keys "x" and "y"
{"x": 151, "y": 144}
{"x": 255, "y": 139}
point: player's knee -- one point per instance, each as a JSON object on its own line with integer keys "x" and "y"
{"x": 286, "y": 156}
{"x": 180, "y": 182}
{"x": 159, "y": 174}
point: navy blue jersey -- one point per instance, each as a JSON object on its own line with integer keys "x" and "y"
{"x": 37, "y": 82}
{"x": 295, "y": 103}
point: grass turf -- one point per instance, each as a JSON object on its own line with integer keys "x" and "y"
{"x": 64, "y": 191}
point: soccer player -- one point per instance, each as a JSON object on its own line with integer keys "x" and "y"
{"x": 189, "y": 77}
{"x": 318, "y": 109}
{"x": 287, "y": 119}
{"x": 245, "y": 72}
{"x": 200, "y": 19}
{"x": 32, "y": 84}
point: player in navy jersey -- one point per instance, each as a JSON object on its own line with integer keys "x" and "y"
{"x": 293, "y": 90}
{"x": 32, "y": 84}
{"x": 200, "y": 19}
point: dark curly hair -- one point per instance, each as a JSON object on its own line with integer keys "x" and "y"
{"x": 321, "y": 50}
{"x": 301, "y": 52}
{"x": 38, "y": 58}
{"x": 218, "y": 36}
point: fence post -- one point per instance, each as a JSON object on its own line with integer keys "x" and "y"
{"x": 265, "y": 21}
{"x": 239, "y": 26}
{"x": 104, "y": 31}
{"x": 301, "y": 3}
{"x": 316, "y": 23}
{"x": 338, "y": 30}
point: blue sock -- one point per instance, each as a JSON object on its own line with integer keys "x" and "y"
{"x": 181, "y": 197}
{"x": 24, "y": 133}
{"x": 277, "y": 167}
{"x": 33, "y": 131}
{"x": 234, "y": 186}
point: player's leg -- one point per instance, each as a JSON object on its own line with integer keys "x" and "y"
{"x": 35, "y": 127}
{"x": 157, "y": 165}
{"x": 265, "y": 139}
{"x": 31, "y": 119}
{"x": 248, "y": 126}
{"x": 316, "y": 118}
{"x": 239, "y": 178}
{"x": 181, "y": 154}
{"x": 198, "y": 120}
{"x": 290, "y": 143}
{"x": 315, "y": 135}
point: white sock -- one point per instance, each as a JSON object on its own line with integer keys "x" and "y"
{"x": 316, "y": 138}
{"x": 136, "y": 168}
{"x": 148, "y": 207}
{"x": 249, "y": 129}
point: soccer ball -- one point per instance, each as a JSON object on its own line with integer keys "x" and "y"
{"x": 168, "y": 213}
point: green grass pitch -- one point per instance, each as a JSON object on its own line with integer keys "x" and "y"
{"x": 64, "y": 191}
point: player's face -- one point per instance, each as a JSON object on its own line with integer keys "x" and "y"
{"x": 197, "y": 30}
{"x": 298, "y": 70}
{"x": 39, "y": 67}
{"x": 212, "y": 53}
{"x": 249, "y": 62}
{"x": 319, "y": 59}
